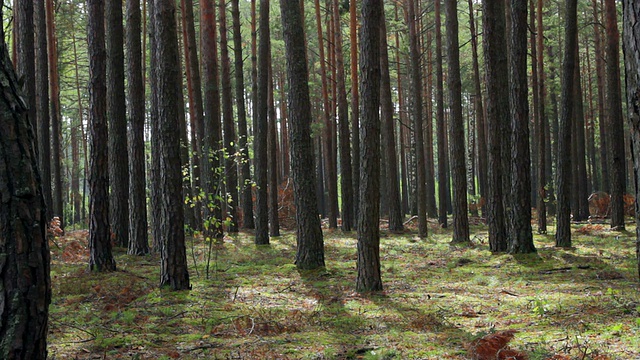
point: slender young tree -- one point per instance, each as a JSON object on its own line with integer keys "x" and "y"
{"x": 260, "y": 126}
{"x": 173, "y": 259}
{"x": 614, "y": 121}
{"x": 138, "y": 238}
{"x": 272, "y": 156}
{"x": 563, "y": 181}
{"x": 246, "y": 198}
{"x": 368, "y": 264}
{"x": 456, "y": 128}
{"x": 521, "y": 237}
{"x": 117, "y": 120}
{"x": 631, "y": 21}
{"x": 355, "y": 103}
{"x": 310, "y": 249}
{"x": 541, "y": 206}
{"x": 416, "y": 86}
{"x": 100, "y": 258}
{"x": 440, "y": 123}
{"x": 54, "y": 112}
{"x": 600, "y": 81}
{"x": 42, "y": 102}
{"x": 388, "y": 135}
{"x": 212, "y": 207}
{"x": 24, "y": 275}
{"x": 231, "y": 172}
{"x": 497, "y": 113}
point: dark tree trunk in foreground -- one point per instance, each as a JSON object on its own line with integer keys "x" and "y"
{"x": 24, "y": 265}
{"x": 388, "y": 135}
{"x": 99, "y": 237}
{"x": 614, "y": 123}
{"x": 173, "y": 259}
{"x": 563, "y": 232}
{"x": 631, "y": 21}
{"x": 521, "y": 239}
{"x": 497, "y": 112}
{"x": 230, "y": 168}
{"x": 246, "y": 198}
{"x": 138, "y": 239}
{"x": 310, "y": 249}
{"x": 117, "y": 118}
{"x": 260, "y": 128}
{"x": 368, "y": 264}
{"x": 416, "y": 86}
{"x": 456, "y": 128}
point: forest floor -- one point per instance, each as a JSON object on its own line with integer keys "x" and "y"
{"x": 579, "y": 303}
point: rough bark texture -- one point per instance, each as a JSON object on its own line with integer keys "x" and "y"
{"x": 260, "y": 126}
{"x": 456, "y": 128}
{"x": 117, "y": 118}
{"x": 355, "y": 104}
{"x": 246, "y": 198}
{"x": 173, "y": 259}
{"x": 614, "y": 123}
{"x": 25, "y": 285}
{"x": 416, "y": 86}
{"x": 42, "y": 103}
{"x": 563, "y": 182}
{"x": 138, "y": 238}
{"x": 310, "y": 251}
{"x": 25, "y": 64}
{"x": 388, "y": 135}
{"x": 229, "y": 132}
{"x": 521, "y": 239}
{"x": 440, "y": 124}
{"x": 99, "y": 237}
{"x": 631, "y": 21}
{"x": 368, "y": 265}
{"x": 497, "y": 112}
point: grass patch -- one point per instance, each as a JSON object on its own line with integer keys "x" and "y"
{"x": 581, "y": 302}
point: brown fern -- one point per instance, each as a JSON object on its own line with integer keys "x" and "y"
{"x": 494, "y": 347}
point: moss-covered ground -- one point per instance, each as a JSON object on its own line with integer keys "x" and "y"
{"x": 581, "y": 303}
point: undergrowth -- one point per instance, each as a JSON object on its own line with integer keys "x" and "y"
{"x": 579, "y": 303}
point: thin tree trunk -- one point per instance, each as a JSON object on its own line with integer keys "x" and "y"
{"x": 42, "y": 101}
{"x": 440, "y": 123}
{"x": 581, "y": 212}
{"x": 542, "y": 139}
{"x": 602, "y": 116}
{"x": 355, "y": 104}
{"x": 272, "y": 157}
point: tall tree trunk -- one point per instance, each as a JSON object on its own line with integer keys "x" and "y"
{"x": 479, "y": 109}
{"x": 388, "y": 134}
{"x": 327, "y": 145}
{"x": 173, "y": 260}
{"x": 117, "y": 118}
{"x": 138, "y": 239}
{"x": 100, "y": 258}
{"x": 368, "y": 264}
{"x": 497, "y": 113}
{"x": 631, "y": 21}
{"x": 310, "y": 246}
{"x": 440, "y": 123}
{"x": 355, "y": 104}
{"x": 602, "y": 116}
{"x": 77, "y": 200}
{"x": 42, "y": 102}
{"x": 194, "y": 93}
{"x": 563, "y": 233}
{"x": 25, "y": 60}
{"x": 272, "y": 156}
{"x": 521, "y": 239}
{"x": 456, "y": 128}
{"x": 542, "y": 139}
{"x": 416, "y": 85}
{"x": 581, "y": 212}
{"x": 229, "y": 130}
{"x": 260, "y": 127}
{"x": 212, "y": 207}
{"x": 614, "y": 116}
{"x": 54, "y": 112}
{"x": 24, "y": 271}
{"x": 246, "y": 199}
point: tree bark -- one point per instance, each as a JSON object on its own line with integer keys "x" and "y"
{"x": 272, "y": 156}
{"x": 614, "y": 123}
{"x": 521, "y": 239}
{"x": 100, "y": 258}
{"x": 440, "y": 123}
{"x": 541, "y": 206}
{"x": 600, "y": 80}
{"x": 368, "y": 264}
{"x": 456, "y": 128}
{"x": 563, "y": 233}
{"x": 24, "y": 264}
{"x": 355, "y": 105}
{"x": 310, "y": 246}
